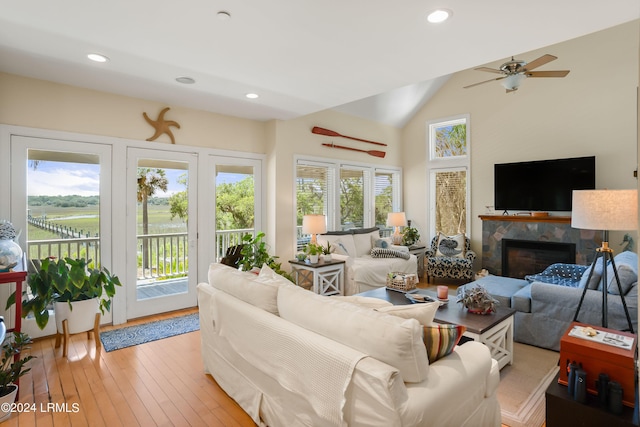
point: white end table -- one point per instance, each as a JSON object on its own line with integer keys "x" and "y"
{"x": 327, "y": 277}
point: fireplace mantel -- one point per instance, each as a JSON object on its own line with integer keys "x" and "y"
{"x": 527, "y": 218}
{"x": 534, "y": 228}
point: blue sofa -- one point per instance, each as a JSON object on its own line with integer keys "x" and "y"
{"x": 546, "y": 303}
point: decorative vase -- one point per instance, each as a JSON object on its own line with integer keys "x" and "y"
{"x": 10, "y": 251}
{"x": 6, "y": 401}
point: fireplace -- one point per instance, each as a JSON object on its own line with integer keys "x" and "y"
{"x": 522, "y": 257}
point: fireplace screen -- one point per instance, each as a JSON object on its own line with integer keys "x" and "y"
{"x": 522, "y": 257}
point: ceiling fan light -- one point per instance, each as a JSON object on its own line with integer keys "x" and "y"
{"x": 512, "y": 82}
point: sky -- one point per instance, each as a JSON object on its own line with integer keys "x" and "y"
{"x": 65, "y": 178}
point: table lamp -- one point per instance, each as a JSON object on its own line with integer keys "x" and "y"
{"x": 605, "y": 210}
{"x": 314, "y": 224}
{"x": 396, "y": 220}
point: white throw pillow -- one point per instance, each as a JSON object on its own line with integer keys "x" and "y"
{"x": 423, "y": 312}
{"x": 248, "y": 287}
{"x": 450, "y": 246}
{"x": 364, "y": 242}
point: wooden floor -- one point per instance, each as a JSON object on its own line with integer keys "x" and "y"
{"x": 161, "y": 383}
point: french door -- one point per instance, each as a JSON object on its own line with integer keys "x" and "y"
{"x": 161, "y": 231}
{"x": 61, "y": 203}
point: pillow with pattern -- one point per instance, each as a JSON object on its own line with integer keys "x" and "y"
{"x": 450, "y": 246}
{"x": 440, "y": 340}
{"x": 389, "y": 253}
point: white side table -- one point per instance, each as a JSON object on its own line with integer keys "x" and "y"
{"x": 327, "y": 278}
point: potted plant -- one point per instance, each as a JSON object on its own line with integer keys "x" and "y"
{"x": 326, "y": 252}
{"x": 76, "y": 290}
{"x": 410, "y": 236}
{"x": 477, "y": 299}
{"x": 313, "y": 250}
{"x": 255, "y": 254}
{"x": 12, "y": 369}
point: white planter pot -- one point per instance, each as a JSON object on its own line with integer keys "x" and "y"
{"x": 7, "y": 398}
{"x": 80, "y": 319}
{"x": 313, "y": 259}
{"x": 327, "y": 258}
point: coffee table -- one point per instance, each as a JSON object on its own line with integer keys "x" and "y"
{"x": 494, "y": 330}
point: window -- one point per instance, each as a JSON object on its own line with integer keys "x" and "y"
{"x": 360, "y": 197}
{"x": 448, "y": 167}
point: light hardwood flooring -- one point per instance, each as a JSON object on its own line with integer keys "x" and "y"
{"x": 161, "y": 383}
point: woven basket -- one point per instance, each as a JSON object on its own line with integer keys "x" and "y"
{"x": 402, "y": 282}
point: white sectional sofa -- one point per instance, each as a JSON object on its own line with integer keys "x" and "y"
{"x": 292, "y": 358}
{"x": 362, "y": 271}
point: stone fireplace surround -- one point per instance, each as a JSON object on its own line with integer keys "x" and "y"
{"x": 541, "y": 229}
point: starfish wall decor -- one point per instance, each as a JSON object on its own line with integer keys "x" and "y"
{"x": 161, "y": 125}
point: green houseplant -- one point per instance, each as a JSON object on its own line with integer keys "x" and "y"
{"x": 477, "y": 299}
{"x": 313, "y": 250}
{"x": 12, "y": 369}
{"x": 410, "y": 236}
{"x": 66, "y": 281}
{"x": 255, "y": 254}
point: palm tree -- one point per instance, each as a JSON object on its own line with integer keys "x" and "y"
{"x": 149, "y": 181}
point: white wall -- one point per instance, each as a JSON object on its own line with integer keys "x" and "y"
{"x": 592, "y": 111}
{"x": 41, "y": 104}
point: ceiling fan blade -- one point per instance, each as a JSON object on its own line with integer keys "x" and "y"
{"x": 486, "y": 81}
{"x": 490, "y": 70}
{"x": 558, "y": 73}
{"x": 540, "y": 61}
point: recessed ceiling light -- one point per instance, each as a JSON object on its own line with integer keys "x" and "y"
{"x": 252, "y": 95}
{"x": 439, "y": 15}
{"x": 97, "y": 57}
{"x": 185, "y": 80}
{"x": 223, "y": 15}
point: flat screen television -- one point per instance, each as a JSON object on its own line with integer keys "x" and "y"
{"x": 543, "y": 185}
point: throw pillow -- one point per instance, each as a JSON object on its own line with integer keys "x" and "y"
{"x": 423, "y": 313}
{"x": 389, "y": 253}
{"x": 341, "y": 247}
{"x": 380, "y": 243}
{"x": 595, "y": 277}
{"x": 450, "y": 246}
{"x": 440, "y": 340}
{"x": 627, "y": 266}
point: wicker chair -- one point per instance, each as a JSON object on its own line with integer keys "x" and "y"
{"x": 449, "y": 267}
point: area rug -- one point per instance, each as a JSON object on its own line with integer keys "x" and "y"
{"x": 128, "y": 336}
{"x": 521, "y": 392}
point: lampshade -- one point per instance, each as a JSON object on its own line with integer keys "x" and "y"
{"x": 396, "y": 219}
{"x": 314, "y": 224}
{"x": 605, "y": 209}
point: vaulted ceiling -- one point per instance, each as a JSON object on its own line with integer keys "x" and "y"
{"x": 373, "y": 58}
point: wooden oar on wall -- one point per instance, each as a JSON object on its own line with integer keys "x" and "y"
{"x": 374, "y": 153}
{"x": 326, "y": 132}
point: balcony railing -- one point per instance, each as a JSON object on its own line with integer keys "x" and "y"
{"x": 164, "y": 255}
{"x": 82, "y": 247}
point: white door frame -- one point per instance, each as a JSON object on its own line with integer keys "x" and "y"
{"x": 137, "y": 308}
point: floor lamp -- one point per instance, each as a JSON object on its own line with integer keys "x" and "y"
{"x": 605, "y": 210}
{"x": 314, "y": 224}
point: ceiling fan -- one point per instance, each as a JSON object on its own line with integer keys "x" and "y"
{"x": 515, "y": 71}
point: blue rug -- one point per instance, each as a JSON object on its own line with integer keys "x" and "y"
{"x": 116, "y": 339}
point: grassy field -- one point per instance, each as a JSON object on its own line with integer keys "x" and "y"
{"x": 86, "y": 219}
